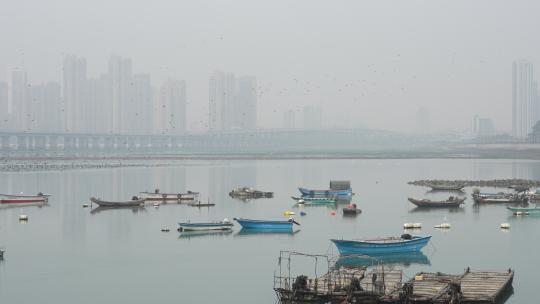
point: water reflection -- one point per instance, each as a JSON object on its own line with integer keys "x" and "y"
{"x": 10, "y": 206}
{"x": 435, "y": 210}
{"x": 133, "y": 209}
{"x": 404, "y": 259}
{"x": 203, "y": 234}
{"x": 260, "y": 232}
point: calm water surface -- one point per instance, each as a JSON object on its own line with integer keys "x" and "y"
{"x": 68, "y": 254}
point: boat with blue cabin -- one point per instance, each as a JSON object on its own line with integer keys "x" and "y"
{"x": 405, "y": 243}
{"x": 337, "y": 188}
{"x": 223, "y": 225}
{"x": 266, "y": 225}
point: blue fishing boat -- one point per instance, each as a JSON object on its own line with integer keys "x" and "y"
{"x": 405, "y": 243}
{"x": 223, "y": 225}
{"x": 324, "y": 193}
{"x": 266, "y": 225}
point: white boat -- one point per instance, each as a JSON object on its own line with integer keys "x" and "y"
{"x": 23, "y": 199}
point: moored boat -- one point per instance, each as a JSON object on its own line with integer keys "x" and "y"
{"x": 168, "y": 197}
{"x": 246, "y": 193}
{"x": 405, "y": 243}
{"x": 325, "y": 193}
{"x": 351, "y": 209}
{"x": 264, "y": 224}
{"x": 132, "y": 203}
{"x": 314, "y": 200}
{"x": 188, "y": 226}
{"x": 524, "y": 210}
{"x": 450, "y": 202}
{"x": 23, "y": 199}
{"x": 536, "y": 195}
{"x": 446, "y": 186}
{"x": 504, "y": 199}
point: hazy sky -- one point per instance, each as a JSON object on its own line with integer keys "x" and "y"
{"x": 364, "y": 62}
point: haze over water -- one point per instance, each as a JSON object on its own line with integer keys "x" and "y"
{"x": 66, "y": 253}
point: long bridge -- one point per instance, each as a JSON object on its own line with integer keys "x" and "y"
{"x": 261, "y": 140}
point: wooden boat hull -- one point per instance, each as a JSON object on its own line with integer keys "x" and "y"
{"x": 325, "y": 193}
{"x": 437, "y": 204}
{"x": 264, "y": 225}
{"x": 23, "y": 199}
{"x": 205, "y": 226}
{"x": 346, "y": 247}
{"x": 132, "y": 203}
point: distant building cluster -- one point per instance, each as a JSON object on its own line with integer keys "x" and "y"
{"x": 482, "y": 126}
{"x": 232, "y": 102}
{"x": 525, "y": 99}
{"x": 119, "y": 102}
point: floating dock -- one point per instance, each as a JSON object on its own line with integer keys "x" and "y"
{"x": 379, "y": 283}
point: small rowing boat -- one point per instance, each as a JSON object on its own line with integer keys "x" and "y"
{"x": 132, "y": 203}
{"x": 188, "y": 226}
{"x": 405, "y": 243}
{"x": 264, "y": 224}
{"x": 450, "y": 202}
{"x": 23, "y": 199}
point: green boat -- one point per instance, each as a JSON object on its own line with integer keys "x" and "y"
{"x": 524, "y": 210}
{"x": 314, "y": 200}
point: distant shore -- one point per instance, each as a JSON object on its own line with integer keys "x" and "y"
{"x": 57, "y": 161}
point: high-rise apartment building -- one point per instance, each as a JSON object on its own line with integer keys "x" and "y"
{"x": 19, "y": 100}
{"x": 74, "y": 93}
{"x": 524, "y": 98}
{"x": 170, "y": 115}
{"x": 120, "y": 75}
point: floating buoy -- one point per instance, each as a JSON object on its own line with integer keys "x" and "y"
{"x": 85, "y": 205}
{"x": 23, "y": 217}
{"x": 287, "y": 213}
{"x": 165, "y": 230}
{"x": 443, "y": 226}
{"x": 505, "y": 226}
{"x": 333, "y": 213}
{"x": 302, "y": 213}
{"x": 412, "y": 225}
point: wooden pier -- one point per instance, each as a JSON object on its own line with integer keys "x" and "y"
{"x": 470, "y": 287}
{"x": 384, "y": 284}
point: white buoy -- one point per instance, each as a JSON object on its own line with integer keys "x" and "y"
{"x": 443, "y": 226}
{"x": 412, "y": 225}
{"x": 505, "y": 226}
{"x": 23, "y": 217}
